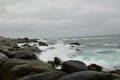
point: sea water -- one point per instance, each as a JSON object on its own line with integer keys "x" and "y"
{"x": 100, "y": 50}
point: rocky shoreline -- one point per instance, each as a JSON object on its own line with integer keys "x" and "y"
{"x": 22, "y": 63}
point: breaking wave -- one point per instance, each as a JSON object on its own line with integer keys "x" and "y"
{"x": 107, "y": 58}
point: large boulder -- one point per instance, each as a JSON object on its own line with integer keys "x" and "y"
{"x": 26, "y": 69}
{"x": 115, "y": 72}
{"x": 21, "y": 70}
{"x": 4, "y": 41}
{"x": 25, "y": 54}
{"x": 73, "y": 66}
{"x": 3, "y": 58}
{"x": 25, "y": 40}
{"x": 12, "y": 69}
{"x": 12, "y": 54}
{"x": 43, "y": 44}
{"x": 95, "y": 67}
{"x": 14, "y": 45}
{"x": 89, "y": 75}
{"x": 6, "y": 47}
{"x": 22, "y": 53}
{"x": 33, "y": 49}
{"x": 57, "y": 61}
{"x": 45, "y": 76}
{"x": 7, "y": 50}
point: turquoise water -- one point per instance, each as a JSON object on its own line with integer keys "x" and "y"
{"x": 101, "y": 50}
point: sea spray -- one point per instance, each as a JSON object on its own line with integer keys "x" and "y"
{"x": 60, "y": 50}
{"x": 105, "y": 56}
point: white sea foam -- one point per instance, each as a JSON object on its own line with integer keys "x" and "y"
{"x": 61, "y": 50}
{"x": 115, "y": 45}
{"x": 43, "y": 40}
{"x": 92, "y": 38}
{"x": 65, "y": 39}
{"x": 89, "y": 56}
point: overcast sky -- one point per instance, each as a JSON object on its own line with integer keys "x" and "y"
{"x": 59, "y": 18}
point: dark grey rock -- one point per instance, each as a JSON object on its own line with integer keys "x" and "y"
{"x": 73, "y": 66}
{"x": 57, "y": 61}
{"x": 12, "y": 54}
{"x": 45, "y": 76}
{"x": 13, "y": 45}
{"x": 75, "y": 43}
{"x": 26, "y": 69}
{"x": 3, "y": 58}
{"x": 5, "y": 51}
{"x": 43, "y": 44}
{"x": 95, "y": 67}
{"x": 6, "y": 47}
{"x": 21, "y": 70}
{"x": 88, "y": 75}
{"x": 25, "y": 54}
{"x": 14, "y": 68}
{"x": 25, "y": 40}
{"x": 34, "y": 49}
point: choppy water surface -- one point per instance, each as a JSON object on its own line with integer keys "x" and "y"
{"x": 102, "y": 50}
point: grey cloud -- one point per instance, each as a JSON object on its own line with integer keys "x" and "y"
{"x": 51, "y": 18}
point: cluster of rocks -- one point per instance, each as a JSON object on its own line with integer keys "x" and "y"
{"x": 18, "y": 63}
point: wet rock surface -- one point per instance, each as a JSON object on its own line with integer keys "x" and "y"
{"x": 45, "y": 76}
{"x": 20, "y": 68}
{"x": 3, "y": 59}
{"x": 73, "y": 66}
{"x": 25, "y": 54}
{"x": 22, "y": 63}
{"x": 88, "y": 75}
{"x": 95, "y": 67}
{"x": 42, "y": 44}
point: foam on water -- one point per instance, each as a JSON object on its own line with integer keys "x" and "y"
{"x": 111, "y": 45}
{"x": 59, "y": 50}
{"x": 104, "y": 57}
{"x": 92, "y": 38}
{"x": 107, "y": 58}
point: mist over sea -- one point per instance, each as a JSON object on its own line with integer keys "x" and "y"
{"x": 101, "y": 50}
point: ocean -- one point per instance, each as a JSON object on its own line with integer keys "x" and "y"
{"x": 100, "y": 50}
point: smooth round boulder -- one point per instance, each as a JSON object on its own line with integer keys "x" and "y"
{"x": 13, "y": 45}
{"x": 89, "y": 75}
{"x": 73, "y": 66}
{"x": 57, "y": 61}
{"x": 26, "y": 69}
{"x": 3, "y": 58}
{"x": 21, "y": 70}
{"x": 25, "y": 40}
{"x": 15, "y": 68}
{"x": 34, "y": 49}
{"x": 6, "y": 47}
{"x": 94, "y": 67}
{"x": 115, "y": 72}
{"x": 43, "y": 44}
{"x": 10, "y": 54}
{"x": 5, "y": 51}
{"x": 45, "y": 76}
{"x": 26, "y": 55}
